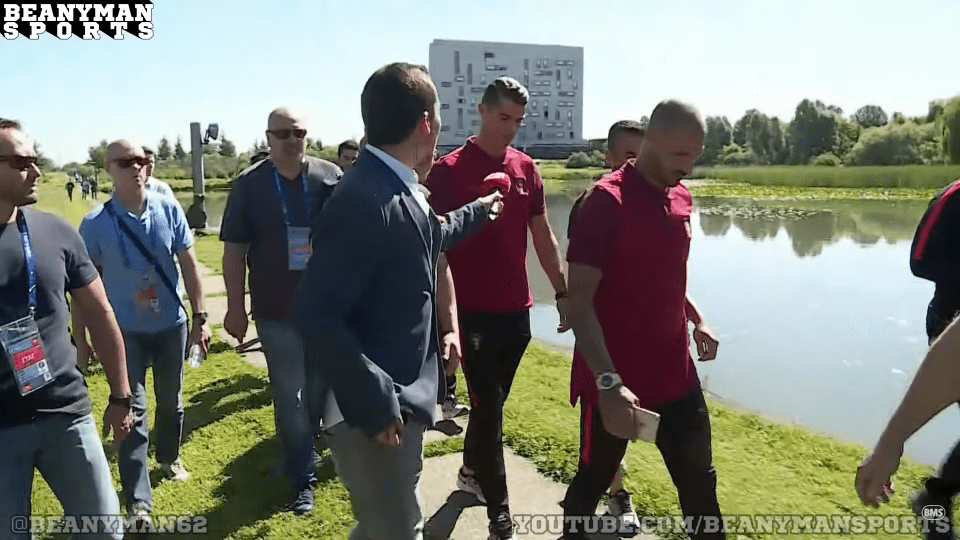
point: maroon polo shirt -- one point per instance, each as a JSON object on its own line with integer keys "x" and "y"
{"x": 489, "y": 268}
{"x": 639, "y": 237}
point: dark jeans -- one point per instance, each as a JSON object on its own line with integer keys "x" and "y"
{"x": 494, "y": 343}
{"x": 683, "y": 439}
{"x": 945, "y": 485}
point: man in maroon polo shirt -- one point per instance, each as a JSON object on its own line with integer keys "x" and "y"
{"x": 629, "y": 310}
{"x": 490, "y": 277}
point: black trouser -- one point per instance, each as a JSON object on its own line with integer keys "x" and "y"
{"x": 683, "y": 439}
{"x": 494, "y": 343}
{"x": 452, "y": 386}
{"x": 944, "y": 486}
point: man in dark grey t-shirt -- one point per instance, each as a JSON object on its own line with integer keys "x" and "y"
{"x": 46, "y": 420}
{"x": 266, "y": 226}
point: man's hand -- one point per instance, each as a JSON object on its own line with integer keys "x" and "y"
{"x": 615, "y": 411}
{"x": 201, "y": 334}
{"x": 235, "y": 323}
{"x": 873, "y": 475}
{"x": 706, "y": 342}
{"x": 562, "y": 310}
{"x": 392, "y": 434}
{"x": 451, "y": 352}
{"x": 120, "y": 420}
{"x": 492, "y": 203}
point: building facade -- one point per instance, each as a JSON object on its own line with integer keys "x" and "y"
{"x": 552, "y": 74}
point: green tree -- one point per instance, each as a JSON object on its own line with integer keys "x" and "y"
{"x": 98, "y": 155}
{"x": 719, "y": 134}
{"x": 227, "y": 148}
{"x": 163, "y": 150}
{"x": 848, "y": 133}
{"x": 43, "y": 162}
{"x": 779, "y": 150}
{"x": 814, "y": 130}
{"x": 899, "y": 118}
{"x": 950, "y": 129}
{"x": 935, "y": 110}
{"x": 178, "y": 151}
{"x": 871, "y": 116}
{"x": 893, "y": 144}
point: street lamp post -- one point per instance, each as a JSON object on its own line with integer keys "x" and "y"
{"x": 197, "y": 215}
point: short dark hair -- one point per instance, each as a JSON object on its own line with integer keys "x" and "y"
{"x": 621, "y": 127}
{"x": 505, "y": 88}
{"x": 6, "y": 123}
{"x": 148, "y": 151}
{"x": 347, "y": 145}
{"x": 393, "y": 102}
{"x": 259, "y": 156}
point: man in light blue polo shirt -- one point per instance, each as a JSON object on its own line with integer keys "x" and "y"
{"x": 118, "y": 235}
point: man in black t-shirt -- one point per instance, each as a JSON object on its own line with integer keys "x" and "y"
{"x": 46, "y": 420}
{"x": 266, "y": 227}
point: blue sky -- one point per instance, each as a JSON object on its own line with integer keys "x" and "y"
{"x": 233, "y": 61}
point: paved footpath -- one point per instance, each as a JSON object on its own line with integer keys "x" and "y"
{"x": 451, "y": 514}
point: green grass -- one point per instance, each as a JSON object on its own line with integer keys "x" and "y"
{"x": 209, "y": 250}
{"x": 925, "y": 177}
{"x": 763, "y": 467}
{"x": 52, "y": 197}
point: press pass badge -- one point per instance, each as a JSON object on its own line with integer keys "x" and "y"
{"x": 148, "y": 300}
{"x": 24, "y": 351}
{"x": 298, "y": 247}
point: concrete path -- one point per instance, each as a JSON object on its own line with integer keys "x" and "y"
{"x": 450, "y": 513}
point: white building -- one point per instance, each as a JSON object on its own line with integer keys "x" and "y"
{"x": 552, "y": 74}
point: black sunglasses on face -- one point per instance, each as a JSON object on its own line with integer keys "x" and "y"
{"x": 125, "y": 163}
{"x": 284, "y": 134}
{"x": 18, "y": 162}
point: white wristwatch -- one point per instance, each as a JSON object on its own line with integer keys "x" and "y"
{"x": 607, "y": 380}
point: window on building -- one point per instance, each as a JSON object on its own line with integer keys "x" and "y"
{"x": 569, "y": 114}
{"x": 526, "y": 65}
{"x": 569, "y": 125}
{"x": 446, "y": 84}
{"x": 458, "y": 78}
{"x": 459, "y": 118}
{"x": 557, "y": 116}
{"x": 575, "y": 85}
{"x": 571, "y": 135}
{"x": 546, "y": 114}
{"x": 461, "y": 91}
{"x": 483, "y": 79}
{"x": 456, "y": 62}
{"x": 444, "y": 128}
{"x": 488, "y": 55}
{"x": 558, "y": 75}
{"x": 570, "y": 74}
{"x": 469, "y": 73}
{"x": 444, "y": 106}
{"x": 558, "y": 84}
{"x": 533, "y": 104}
{"x": 540, "y": 135}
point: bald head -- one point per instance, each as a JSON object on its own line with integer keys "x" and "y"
{"x": 287, "y": 139}
{"x": 673, "y": 116}
{"x": 123, "y": 149}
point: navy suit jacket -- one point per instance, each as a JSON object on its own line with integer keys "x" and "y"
{"x": 366, "y": 302}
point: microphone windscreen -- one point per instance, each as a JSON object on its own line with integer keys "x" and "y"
{"x": 497, "y": 180}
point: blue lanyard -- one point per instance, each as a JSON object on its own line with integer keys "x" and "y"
{"x": 31, "y": 262}
{"x": 283, "y": 198}
{"x": 153, "y": 237}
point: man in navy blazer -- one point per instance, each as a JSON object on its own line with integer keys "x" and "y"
{"x": 366, "y": 304}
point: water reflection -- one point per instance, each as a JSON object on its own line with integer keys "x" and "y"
{"x": 811, "y": 226}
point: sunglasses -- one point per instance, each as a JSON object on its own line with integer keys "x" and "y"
{"x": 125, "y": 163}
{"x": 284, "y": 134}
{"x": 21, "y": 163}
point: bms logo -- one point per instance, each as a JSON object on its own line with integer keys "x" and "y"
{"x": 933, "y": 512}
{"x": 86, "y": 21}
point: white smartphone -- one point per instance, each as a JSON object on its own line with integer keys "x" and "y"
{"x": 646, "y": 424}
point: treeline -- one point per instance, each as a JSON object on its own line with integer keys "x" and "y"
{"x": 820, "y": 134}
{"x": 220, "y": 158}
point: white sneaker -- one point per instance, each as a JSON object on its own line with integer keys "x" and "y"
{"x": 468, "y": 483}
{"x": 452, "y": 409}
{"x": 621, "y": 507}
{"x": 138, "y": 520}
{"x": 175, "y": 470}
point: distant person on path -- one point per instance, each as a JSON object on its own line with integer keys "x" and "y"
{"x": 347, "y": 154}
{"x": 624, "y": 140}
{"x": 70, "y": 186}
{"x": 93, "y": 188}
{"x": 266, "y": 226}
{"x": 935, "y": 387}
{"x": 935, "y": 256}
{"x": 367, "y": 303}
{"x": 491, "y": 283}
{"x": 85, "y": 188}
{"x": 48, "y": 424}
{"x": 155, "y": 184}
{"x": 136, "y": 238}
{"x": 630, "y": 312}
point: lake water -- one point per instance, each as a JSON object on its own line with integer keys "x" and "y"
{"x": 819, "y": 319}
